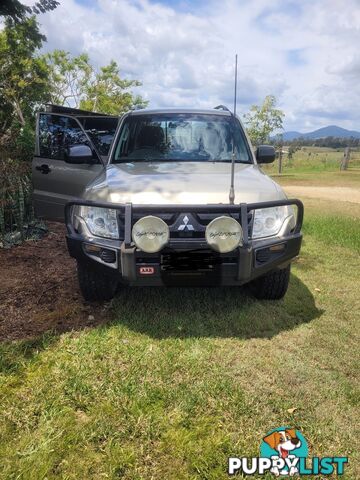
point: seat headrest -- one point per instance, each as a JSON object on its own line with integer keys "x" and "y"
{"x": 150, "y": 136}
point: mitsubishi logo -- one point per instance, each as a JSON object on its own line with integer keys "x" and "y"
{"x": 186, "y": 225}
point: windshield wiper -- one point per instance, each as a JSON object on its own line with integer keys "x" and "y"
{"x": 229, "y": 161}
{"x": 130, "y": 160}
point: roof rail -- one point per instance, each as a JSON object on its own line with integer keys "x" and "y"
{"x": 223, "y": 107}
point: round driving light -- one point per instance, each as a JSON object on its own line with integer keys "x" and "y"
{"x": 224, "y": 234}
{"x": 150, "y": 234}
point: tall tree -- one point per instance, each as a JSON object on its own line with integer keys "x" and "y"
{"x": 23, "y": 75}
{"x": 264, "y": 120}
{"x": 68, "y": 77}
{"x": 75, "y": 82}
{"x": 108, "y": 93}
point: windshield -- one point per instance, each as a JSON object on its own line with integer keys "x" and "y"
{"x": 181, "y": 137}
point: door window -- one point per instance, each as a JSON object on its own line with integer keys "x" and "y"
{"x": 101, "y": 131}
{"x": 57, "y": 133}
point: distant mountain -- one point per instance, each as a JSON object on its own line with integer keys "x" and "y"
{"x": 330, "y": 131}
{"x": 289, "y": 136}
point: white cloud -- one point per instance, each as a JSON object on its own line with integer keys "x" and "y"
{"x": 304, "y": 52}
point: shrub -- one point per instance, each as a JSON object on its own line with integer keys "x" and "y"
{"x": 15, "y": 197}
{"x": 17, "y": 220}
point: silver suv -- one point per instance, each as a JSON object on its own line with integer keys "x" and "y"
{"x": 146, "y": 202}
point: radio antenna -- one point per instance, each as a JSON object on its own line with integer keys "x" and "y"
{"x": 232, "y": 191}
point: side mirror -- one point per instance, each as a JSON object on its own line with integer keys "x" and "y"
{"x": 78, "y": 154}
{"x": 265, "y": 154}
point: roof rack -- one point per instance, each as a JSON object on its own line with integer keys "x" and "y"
{"x": 223, "y": 107}
{"x": 50, "y": 108}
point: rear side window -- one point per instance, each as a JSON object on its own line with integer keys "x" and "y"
{"x": 101, "y": 131}
{"x": 57, "y": 133}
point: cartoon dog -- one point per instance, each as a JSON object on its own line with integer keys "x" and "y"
{"x": 283, "y": 442}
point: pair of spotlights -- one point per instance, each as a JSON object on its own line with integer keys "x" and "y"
{"x": 223, "y": 234}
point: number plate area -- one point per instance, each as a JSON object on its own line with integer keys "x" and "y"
{"x": 188, "y": 268}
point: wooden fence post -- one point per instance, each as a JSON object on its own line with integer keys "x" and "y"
{"x": 280, "y": 159}
{"x": 346, "y": 159}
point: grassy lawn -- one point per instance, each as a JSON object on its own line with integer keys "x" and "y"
{"x": 180, "y": 379}
{"x": 311, "y": 165}
{"x": 348, "y": 179}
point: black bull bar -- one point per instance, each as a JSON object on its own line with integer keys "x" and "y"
{"x": 242, "y": 210}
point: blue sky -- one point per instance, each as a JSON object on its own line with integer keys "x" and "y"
{"x": 303, "y": 52}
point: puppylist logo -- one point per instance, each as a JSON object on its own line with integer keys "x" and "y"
{"x": 284, "y": 452}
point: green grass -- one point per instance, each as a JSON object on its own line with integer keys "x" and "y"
{"x": 347, "y": 179}
{"x": 314, "y": 160}
{"x": 335, "y": 230}
{"x": 180, "y": 379}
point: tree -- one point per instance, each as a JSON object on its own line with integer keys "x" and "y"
{"x": 68, "y": 77}
{"x": 76, "y": 83}
{"x": 106, "y": 92}
{"x": 263, "y": 120}
{"x": 293, "y": 147}
{"x": 23, "y": 75}
{"x": 17, "y": 12}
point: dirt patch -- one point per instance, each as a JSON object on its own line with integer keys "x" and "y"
{"x": 342, "y": 194}
{"x": 39, "y": 290}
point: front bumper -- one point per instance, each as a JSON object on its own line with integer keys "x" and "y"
{"x": 187, "y": 261}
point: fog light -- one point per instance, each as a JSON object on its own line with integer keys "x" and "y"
{"x": 150, "y": 234}
{"x": 224, "y": 234}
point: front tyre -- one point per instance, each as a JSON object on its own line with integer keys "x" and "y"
{"x": 95, "y": 285}
{"x": 271, "y": 286}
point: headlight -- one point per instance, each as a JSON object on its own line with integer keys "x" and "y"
{"x": 150, "y": 234}
{"x": 270, "y": 221}
{"x": 224, "y": 234}
{"x": 101, "y": 222}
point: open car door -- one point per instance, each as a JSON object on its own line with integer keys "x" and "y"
{"x": 71, "y": 151}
